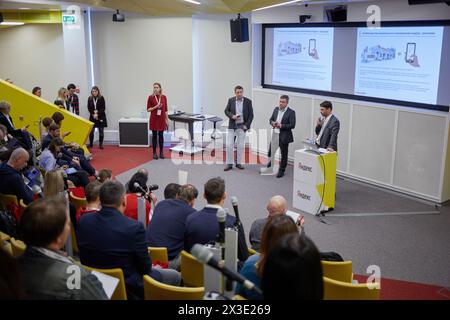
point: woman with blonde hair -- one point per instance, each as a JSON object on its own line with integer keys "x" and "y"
{"x": 63, "y": 95}
{"x": 53, "y": 183}
{"x": 159, "y": 120}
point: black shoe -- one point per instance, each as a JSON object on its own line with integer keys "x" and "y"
{"x": 161, "y": 155}
{"x": 155, "y": 156}
{"x": 280, "y": 174}
{"x": 269, "y": 164}
{"x": 228, "y": 167}
{"x": 239, "y": 167}
{"x": 101, "y": 146}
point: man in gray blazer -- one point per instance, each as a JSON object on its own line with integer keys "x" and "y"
{"x": 327, "y": 127}
{"x": 240, "y": 112}
{"x": 282, "y": 122}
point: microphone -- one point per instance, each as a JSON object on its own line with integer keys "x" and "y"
{"x": 207, "y": 257}
{"x": 221, "y": 217}
{"x": 138, "y": 186}
{"x": 234, "y": 202}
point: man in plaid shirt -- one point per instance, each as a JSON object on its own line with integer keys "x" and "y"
{"x": 73, "y": 99}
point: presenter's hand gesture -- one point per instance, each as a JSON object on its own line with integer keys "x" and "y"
{"x": 234, "y": 117}
{"x": 319, "y": 121}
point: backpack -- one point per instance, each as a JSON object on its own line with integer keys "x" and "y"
{"x": 8, "y": 224}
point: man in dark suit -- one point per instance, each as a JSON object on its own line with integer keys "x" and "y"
{"x": 21, "y": 135}
{"x": 240, "y": 112}
{"x": 169, "y": 222}
{"x": 282, "y": 122}
{"x": 327, "y": 127}
{"x": 107, "y": 239}
{"x": 202, "y": 226}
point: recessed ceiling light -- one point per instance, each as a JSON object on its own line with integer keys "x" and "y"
{"x": 277, "y": 5}
{"x": 11, "y": 23}
{"x": 192, "y": 1}
{"x": 24, "y": 9}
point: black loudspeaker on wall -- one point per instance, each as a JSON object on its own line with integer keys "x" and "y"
{"x": 239, "y": 29}
{"x": 337, "y": 14}
{"x": 412, "y": 2}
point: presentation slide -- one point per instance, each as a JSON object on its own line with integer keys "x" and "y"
{"x": 303, "y": 57}
{"x": 399, "y": 63}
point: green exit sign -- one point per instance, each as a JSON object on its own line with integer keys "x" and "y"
{"x": 69, "y": 19}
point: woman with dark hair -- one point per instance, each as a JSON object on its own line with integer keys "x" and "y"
{"x": 253, "y": 268}
{"x": 159, "y": 120}
{"x": 136, "y": 186}
{"x": 58, "y": 117}
{"x": 293, "y": 270}
{"x": 96, "y": 107}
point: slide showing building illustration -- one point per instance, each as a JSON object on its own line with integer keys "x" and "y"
{"x": 399, "y": 63}
{"x": 303, "y": 57}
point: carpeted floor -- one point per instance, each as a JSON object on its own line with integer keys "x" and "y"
{"x": 412, "y": 249}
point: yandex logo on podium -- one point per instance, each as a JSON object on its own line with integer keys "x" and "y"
{"x": 303, "y": 195}
{"x": 303, "y": 167}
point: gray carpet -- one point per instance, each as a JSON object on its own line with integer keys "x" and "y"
{"x": 405, "y": 247}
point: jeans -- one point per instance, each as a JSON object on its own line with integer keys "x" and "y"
{"x": 239, "y": 134}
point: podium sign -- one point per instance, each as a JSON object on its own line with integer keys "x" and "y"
{"x": 314, "y": 179}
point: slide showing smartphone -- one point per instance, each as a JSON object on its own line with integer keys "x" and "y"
{"x": 312, "y": 46}
{"x": 410, "y": 52}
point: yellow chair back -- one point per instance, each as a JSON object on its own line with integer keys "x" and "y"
{"x": 8, "y": 199}
{"x": 251, "y": 251}
{"x": 338, "y": 270}
{"x": 77, "y": 202}
{"x": 18, "y": 247}
{"x": 23, "y": 206}
{"x": 4, "y": 236}
{"x": 191, "y": 270}
{"x": 155, "y": 290}
{"x": 158, "y": 253}
{"x": 338, "y": 290}
{"x": 120, "y": 293}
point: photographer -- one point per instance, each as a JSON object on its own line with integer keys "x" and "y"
{"x": 137, "y": 187}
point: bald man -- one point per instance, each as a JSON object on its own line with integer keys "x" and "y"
{"x": 277, "y": 205}
{"x": 11, "y": 177}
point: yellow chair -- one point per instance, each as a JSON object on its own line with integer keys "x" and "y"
{"x": 251, "y": 251}
{"x": 191, "y": 270}
{"x": 77, "y": 202}
{"x": 239, "y": 297}
{"x": 8, "y": 199}
{"x": 155, "y": 290}
{"x": 120, "y": 293}
{"x": 4, "y": 237}
{"x": 338, "y": 290}
{"x": 158, "y": 253}
{"x": 338, "y": 270}
{"x": 6, "y": 246}
{"x": 23, "y": 206}
{"x": 18, "y": 247}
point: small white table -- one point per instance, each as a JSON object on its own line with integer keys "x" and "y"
{"x": 133, "y": 132}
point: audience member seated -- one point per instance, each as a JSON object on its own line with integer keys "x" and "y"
{"x": 22, "y": 135}
{"x": 58, "y": 117}
{"x": 169, "y": 222}
{"x": 104, "y": 175}
{"x": 11, "y": 178}
{"x": 92, "y": 192}
{"x": 44, "y": 268}
{"x": 134, "y": 192}
{"x": 10, "y": 282}
{"x": 253, "y": 268}
{"x": 293, "y": 270}
{"x": 171, "y": 191}
{"x": 50, "y": 159}
{"x": 202, "y": 226}
{"x": 54, "y": 185}
{"x": 107, "y": 239}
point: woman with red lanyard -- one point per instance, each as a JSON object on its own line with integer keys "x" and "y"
{"x": 159, "y": 121}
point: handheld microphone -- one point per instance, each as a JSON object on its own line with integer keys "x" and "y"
{"x": 234, "y": 202}
{"x": 207, "y": 257}
{"x": 138, "y": 186}
{"x": 221, "y": 217}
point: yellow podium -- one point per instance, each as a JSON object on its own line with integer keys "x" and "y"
{"x": 314, "y": 180}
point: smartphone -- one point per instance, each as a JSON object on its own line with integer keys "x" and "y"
{"x": 71, "y": 171}
{"x": 312, "y": 46}
{"x": 410, "y": 52}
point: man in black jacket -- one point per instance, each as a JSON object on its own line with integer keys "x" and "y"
{"x": 327, "y": 127}
{"x": 240, "y": 112}
{"x": 282, "y": 122}
{"x": 11, "y": 177}
{"x": 21, "y": 134}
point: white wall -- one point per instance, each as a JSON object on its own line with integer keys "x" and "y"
{"x": 33, "y": 55}
{"x": 129, "y": 57}
{"x": 221, "y": 64}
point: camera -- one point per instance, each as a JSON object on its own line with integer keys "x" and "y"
{"x": 152, "y": 187}
{"x": 305, "y": 17}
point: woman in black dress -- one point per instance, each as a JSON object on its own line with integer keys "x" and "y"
{"x": 96, "y": 107}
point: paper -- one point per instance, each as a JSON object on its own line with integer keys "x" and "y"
{"x": 182, "y": 177}
{"x": 293, "y": 215}
{"x": 109, "y": 283}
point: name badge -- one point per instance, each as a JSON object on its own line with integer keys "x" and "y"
{"x": 158, "y": 113}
